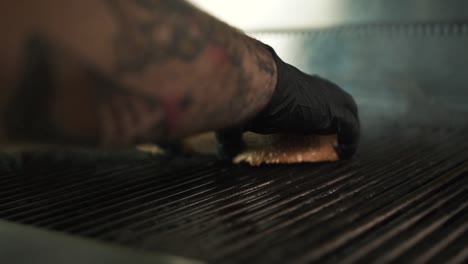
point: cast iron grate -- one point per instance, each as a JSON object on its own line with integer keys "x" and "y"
{"x": 405, "y": 198}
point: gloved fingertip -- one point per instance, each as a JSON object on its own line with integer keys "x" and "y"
{"x": 172, "y": 148}
{"x": 346, "y": 152}
{"x": 227, "y": 152}
{"x": 229, "y": 144}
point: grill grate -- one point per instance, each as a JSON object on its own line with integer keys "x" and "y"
{"x": 404, "y": 198}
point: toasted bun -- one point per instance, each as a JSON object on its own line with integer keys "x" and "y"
{"x": 269, "y": 149}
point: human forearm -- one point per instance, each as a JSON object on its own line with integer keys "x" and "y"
{"x": 145, "y": 70}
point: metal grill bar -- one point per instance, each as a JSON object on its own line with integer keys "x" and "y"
{"x": 133, "y": 187}
{"x": 404, "y": 198}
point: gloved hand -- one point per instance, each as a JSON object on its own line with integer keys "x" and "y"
{"x": 301, "y": 104}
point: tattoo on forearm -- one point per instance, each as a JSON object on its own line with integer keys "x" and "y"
{"x": 185, "y": 102}
{"x": 28, "y": 115}
{"x": 264, "y": 61}
{"x": 152, "y": 31}
{"x": 127, "y": 116}
{"x": 149, "y": 33}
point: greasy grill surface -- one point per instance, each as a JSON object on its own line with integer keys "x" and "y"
{"x": 404, "y": 198}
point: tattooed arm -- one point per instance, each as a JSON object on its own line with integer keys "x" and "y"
{"x": 117, "y": 72}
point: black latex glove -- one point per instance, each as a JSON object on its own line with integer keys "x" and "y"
{"x": 301, "y": 104}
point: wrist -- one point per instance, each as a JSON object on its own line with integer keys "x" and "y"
{"x": 260, "y": 76}
{"x": 274, "y": 85}
{"x": 267, "y": 68}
